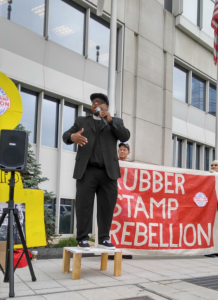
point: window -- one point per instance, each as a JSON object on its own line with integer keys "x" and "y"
{"x": 70, "y": 114}
{"x": 172, "y": 148}
{"x": 180, "y": 83}
{"x": 86, "y": 112}
{"x": 213, "y": 154}
{"x": 66, "y": 216}
{"x": 29, "y": 116}
{"x": 99, "y": 37}
{"x": 29, "y": 14}
{"x": 212, "y": 100}
{"x": 189, "y": 155}
{"x": 168, "y": 5}
{"x": 179, "y": 153}
{"x": 191, "y": 10}
{"x": 198, "y": 155}
{"x": 50, "y": 121}
{"x": 66, "y": 24}
{"x": 198, "y": 92}
{"x": 206, "y": 159}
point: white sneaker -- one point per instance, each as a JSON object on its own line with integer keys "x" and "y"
{"x": 106, "y": 244}
{"x": 84, "y": 245}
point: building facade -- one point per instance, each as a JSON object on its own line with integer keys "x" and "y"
{"x": 57, "y": 51}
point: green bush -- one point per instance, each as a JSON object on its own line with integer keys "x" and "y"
{"x": 70, "y": 242}
{"x": 91, "y": 239}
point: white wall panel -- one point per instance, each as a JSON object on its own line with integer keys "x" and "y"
{"x": 210, "y": 138}
{"x": 196, "y": 116}
{"x": 20, "y": 68}
{"x": 179, "y": 127}
{"x": 68, "y": 184}
{"x": 195, "y": 133}
{"x": 63, "y": 84}
{"x": 180, "y": 109}
{"x": 48, "y": 161}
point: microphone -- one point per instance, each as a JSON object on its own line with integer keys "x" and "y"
{"x": 97, "y": 111}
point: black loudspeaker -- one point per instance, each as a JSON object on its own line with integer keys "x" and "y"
{"x": 13, "y": 150}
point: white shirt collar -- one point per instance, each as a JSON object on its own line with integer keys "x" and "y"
{"x": 96, "y": 118}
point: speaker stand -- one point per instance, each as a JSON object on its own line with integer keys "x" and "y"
{"x": 9, "y": 262}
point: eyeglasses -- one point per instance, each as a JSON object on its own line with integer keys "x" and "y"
{"x": 98, "y": 101}
{"x": 214, "y": 165}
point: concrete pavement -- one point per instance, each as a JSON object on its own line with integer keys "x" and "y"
{"x": 156, "y": 278}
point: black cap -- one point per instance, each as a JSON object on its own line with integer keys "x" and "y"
{"x": 124, "y": 144}
{"x": 101, "y": 96}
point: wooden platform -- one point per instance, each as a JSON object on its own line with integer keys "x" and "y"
{"x": 77, "y": 256}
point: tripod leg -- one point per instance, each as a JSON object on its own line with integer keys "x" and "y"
{"x": 25, "y": 247}
{"x": 9, "y": 270}
{"x": 11, "y": 275}
{"x": 2, "y": 218}
{"x": 7, "y": 261}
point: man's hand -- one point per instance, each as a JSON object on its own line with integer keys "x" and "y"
{"x": 78, "y": 138}
{"x": 106, "y": 115}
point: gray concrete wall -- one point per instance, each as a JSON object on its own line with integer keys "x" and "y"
{"x": 148, "y": 80}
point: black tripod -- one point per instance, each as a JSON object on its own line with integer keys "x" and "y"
{"x": 9, "y": 262}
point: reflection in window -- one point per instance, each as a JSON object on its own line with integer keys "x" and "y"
{"x": 51, "y": 210}
{"x": 50, "y": 122}
{"x": 208, "y": 7}
{"x": 179, "y": 153}
{"x": 99, "y": 37}
{"x": 212, "y": 100}
{"x": 206, "y": 159}
{"x": 198, "y": 92}
{"x": 86, "y": 112}
{"x": 66, "y": 24}
{"x": 66, "y": 216}
{"x": 29, "y": 14}
{"x": 180, "y": 83}
{"x": 70, "y": 114}
{"x": 191, "y": 10}
{"x": 189, "y": 155}
{"x": 168, "y": 5}
{"x": 29, "y": 116}
{"x": 198, "y": 154}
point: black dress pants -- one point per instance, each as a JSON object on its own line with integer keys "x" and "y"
{"x": 95, "y": 181}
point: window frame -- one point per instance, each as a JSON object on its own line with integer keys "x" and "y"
{"x": 204, "y": 96}
{"x": 179, "y": 151}
{"x": 213, "y": 87}
{"x": 79, "y": 8}
{"x": 57, "y": 118}
{"x": 181, "y": 68}
{"x": 72, "y": 105}
{"x": 206, "y": 151}
{"x": 198, "y": 161}
{"x": 27, "y": 91}
{"x": 189, "y": 158}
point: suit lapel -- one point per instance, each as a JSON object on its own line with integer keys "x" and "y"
{"x": 102, "y": 125}
{"x": 91, "y": 123}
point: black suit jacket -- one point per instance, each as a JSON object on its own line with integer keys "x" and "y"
{"x": 109, "y": 135}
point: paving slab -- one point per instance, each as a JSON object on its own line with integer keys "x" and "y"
{"x": 142, "y": 278}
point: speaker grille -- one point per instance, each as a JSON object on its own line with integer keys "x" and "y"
{"x": 13, "y": 150}
{"x": 12, "y": 157}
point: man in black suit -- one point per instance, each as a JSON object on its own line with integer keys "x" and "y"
{"x": 96, "y": 169}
